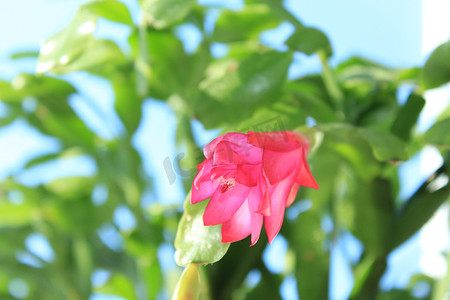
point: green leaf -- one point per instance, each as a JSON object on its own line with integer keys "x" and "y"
{"x": 163, "y": 13}
{"x": 357, "y": 70}
{"x": 368, "y": 212}
{"x": 233, "y": 90}
{"x": 312, "y": 261}
{"x": 71, "y": 187}
{"x": 309, "y": 40}
{"x": 437, "y": 68}
{"x": 417, "y": 211}
{"x": 352, "y": 147}
{"x": 112, "y": 10}
{"x": 75, "y": 48}
{"x": 438, "y": 134}
{"x": 385, "y": 146}
{"x": 14, "y": 215}
{"x": 127, "y": 103}
{"x": 24, "y": 54}
{"x": 245, "y": 24}
{"x": 311, "y": 98}
{"x": 407, "y": 116}
{"x": 118, "y": 285}
{"x": 196, "y": 243}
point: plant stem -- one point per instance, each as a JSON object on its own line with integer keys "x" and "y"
{"x": 331, "y": 82}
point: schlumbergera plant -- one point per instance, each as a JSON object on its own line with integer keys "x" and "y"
{"x": 256, "y": 182}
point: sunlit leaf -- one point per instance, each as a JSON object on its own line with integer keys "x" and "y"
{"x": 438, "y": 134}
{"x": 70, "y": 186}
{"x": 437, "y": 68}
{"x": 234, "y": 89}
{"x": 118, "y": 285}
{"x": 309, "y": 40}
{"x": 196, "y": 243}
{"x": 75, "y": 48}
{"x": 407, "y": 116}
{"x": 245, "y": 24}
{"x": 385, "y": 146}
{"x": 163, "y": 13}
{"x": 14, "y": 214}
{"x": 109, "y": 9}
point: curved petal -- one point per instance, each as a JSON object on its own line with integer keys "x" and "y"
{"x": 292, "y": 194}
{"x": 203, "y": 173}
{"x": 279, "y": 194}
{"x": 256, "y": 218}
{"x": 225, "y": 171}
{"x": 204, "y": 191}
{"x": 233, "y": 137}
{"x": 280, "y": 141}
{"x": 223, "y": 205}
{"x": 239, "y": 226}
{"x": 227, "y": 152}
{"x": 305, "y": 177}
{"x": 248, "y": 174}
{"x": 279, "y": 165}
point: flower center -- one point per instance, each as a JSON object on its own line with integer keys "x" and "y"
{"x": 226, "y": 184}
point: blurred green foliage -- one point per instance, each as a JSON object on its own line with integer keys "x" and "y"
{"x": 361, "y": 137}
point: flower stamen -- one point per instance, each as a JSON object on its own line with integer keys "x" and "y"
{"x": 226, "y": 184}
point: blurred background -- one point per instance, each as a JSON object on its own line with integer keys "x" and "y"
{"x": 105, "y": 106}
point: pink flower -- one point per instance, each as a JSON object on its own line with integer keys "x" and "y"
{"x": 251, "y": 178}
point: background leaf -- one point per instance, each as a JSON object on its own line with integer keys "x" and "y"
{"x": 437, "y": 68}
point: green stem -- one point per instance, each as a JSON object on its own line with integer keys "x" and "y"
{"x": 188, "y": 286}
{"x": 142, "y": 60}
{"x": 331, "y": 82}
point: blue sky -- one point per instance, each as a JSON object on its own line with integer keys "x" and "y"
{"x": 390, "y": 32}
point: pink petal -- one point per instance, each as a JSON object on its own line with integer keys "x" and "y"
{"x": 279, "y": 195}
{"x": 254, "y": 199}
{"x": 280, "y": 141}
{"x": 264, "y": 205}
{"x": 248, "y": 174}
{"x": 223, "y": 205}
{"x": 292, "y": 194}
{"x": 203, "y": 173}
{"x": 305, "y": 177}
{"x": 234, "y": 137}
{"x": 204, "y": 191}
{"x": 257, "y": 221}
{"x": 279, "y": 165}
{"x": 225, "y": 171}
{"x": 239, "y": 226}
{"x": 227, "y": 152}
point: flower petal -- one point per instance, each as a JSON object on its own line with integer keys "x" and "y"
{"x": 305, "y": 177}
{"x": 256, "y": 224}
{"x": 248, "y": 174}
{"x": 292, "y": 194}
{"x": 239, "y": 226}
{"x": 277, "y": 166}
{"x": 203, "y": 173}
{"x": 280, "y": 141}
{"x": 278, "y": 196}
{"x": 233, "y": 137}
{"x": 225, "y": 171}
{"x": 254, "y": 199}
{"x": 223, "y": 205}
{"x": 227, "y": 152}
{"x": 204, "y": 191}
